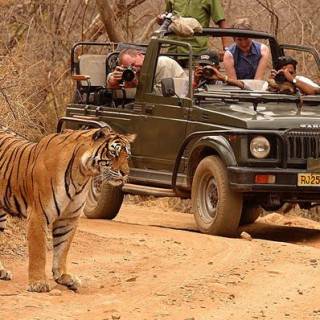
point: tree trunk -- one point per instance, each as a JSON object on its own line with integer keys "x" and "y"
{"x": 108, "y": 18}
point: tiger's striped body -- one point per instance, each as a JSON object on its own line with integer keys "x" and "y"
{"x": 48, "y": 182}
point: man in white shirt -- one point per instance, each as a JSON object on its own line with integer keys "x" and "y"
{"x": 166, "y": 68}
{"x": 286, "y": 66}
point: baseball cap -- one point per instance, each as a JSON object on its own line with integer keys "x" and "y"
{"x": 209, "y": 58}
{"x": 284, "y": 61}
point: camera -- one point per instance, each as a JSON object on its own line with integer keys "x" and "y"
{"x": 207, "y": 72}
{"x": 128, "y": 74}
{"x": 166, "y": 20}
{"x": 280, "y": 78}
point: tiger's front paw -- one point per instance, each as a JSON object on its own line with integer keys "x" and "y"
{"x": 71, "y": 281}
{"x": 39, "y": 286}
{"x": 5, "y": 274}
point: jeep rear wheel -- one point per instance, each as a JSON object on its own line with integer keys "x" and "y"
{"x": 103, "y": 201}
{"x": 216, "y": 208}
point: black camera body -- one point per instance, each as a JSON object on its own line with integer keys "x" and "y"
{"x": 207, "y": 72}
{"x": 280, "y": 78}
{"x": 128, "y": 74}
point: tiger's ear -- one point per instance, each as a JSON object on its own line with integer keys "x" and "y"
{"x": 99, "y": 134}
{"x": 131, "y": 137}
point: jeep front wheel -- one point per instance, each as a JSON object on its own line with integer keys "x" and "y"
{"x": 103, "y": 201}
{"x": 216, "y": 208}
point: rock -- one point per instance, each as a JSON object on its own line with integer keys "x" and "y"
{"x": 55, "y": 292}
{"x": 116, "y": 316}
{"x": 132, "y": 279}
{"x": 245, "y": 235}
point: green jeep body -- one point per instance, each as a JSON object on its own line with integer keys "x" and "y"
{"x": 198, "y": 145}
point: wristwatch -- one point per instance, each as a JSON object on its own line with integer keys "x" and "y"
{"x": 294, "y": 81}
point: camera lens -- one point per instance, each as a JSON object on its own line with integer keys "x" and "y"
{"x": 280, "y": 78}
{"x": 128, "y": 74}
{"x": 207, "y": 72}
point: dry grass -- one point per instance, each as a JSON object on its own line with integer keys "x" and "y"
{"x": 13, "y": 241}
{"x": 165, "y": 203}
{"x": 184, "y": 205}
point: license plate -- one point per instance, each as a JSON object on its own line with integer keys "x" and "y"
{"x": 308, "y": 179}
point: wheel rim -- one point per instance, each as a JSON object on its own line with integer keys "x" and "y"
{"x": 208, "y": 198}
{"x": 93, "y": 196}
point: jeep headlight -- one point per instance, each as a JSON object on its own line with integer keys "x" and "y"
{"x": 260, "y": 147}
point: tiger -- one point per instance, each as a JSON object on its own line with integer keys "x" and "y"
{"x": 48, "y": 182}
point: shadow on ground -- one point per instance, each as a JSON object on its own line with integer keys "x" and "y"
{"x": 291, "y": 234}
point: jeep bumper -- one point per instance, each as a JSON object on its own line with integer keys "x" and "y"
{"x": 244, "y": 179}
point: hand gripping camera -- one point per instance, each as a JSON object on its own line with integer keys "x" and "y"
{"x": 128, "y": 74}
{"x": 207, "y": 72}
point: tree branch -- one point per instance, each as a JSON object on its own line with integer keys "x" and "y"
{"x": 272, "y": 13}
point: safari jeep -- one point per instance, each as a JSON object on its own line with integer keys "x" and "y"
{"x": 232, "y": 151}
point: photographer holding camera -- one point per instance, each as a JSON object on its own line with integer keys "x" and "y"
{"x": 132, "y": 58}
{"x": 285, "y": 71}
{"x": 207, "y": 71}
{"x": 122, "y": 76}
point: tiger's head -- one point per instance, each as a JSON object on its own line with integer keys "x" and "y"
{"x": 108, "y": 159}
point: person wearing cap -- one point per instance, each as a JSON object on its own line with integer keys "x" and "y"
{"x": 209, "y": 61}
{"x": 246, "y": 58}
{"x": 202, "y": 10}
{"x": 287, "y": 66}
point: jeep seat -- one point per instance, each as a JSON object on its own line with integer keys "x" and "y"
{"x": 95, "y": 66}
{"x": 91, "y": 80}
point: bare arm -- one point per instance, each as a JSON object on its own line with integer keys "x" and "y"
{"x": 304, "y": 87}
{"x": 265, "y": 55}
{"x": 225, "y": 41}
{"x": 113, "y": 80}
{"x": 228, "y": 62}
{"x": 225, "y": 79}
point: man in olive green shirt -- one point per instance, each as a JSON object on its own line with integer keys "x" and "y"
{"x": 202, "y": 10}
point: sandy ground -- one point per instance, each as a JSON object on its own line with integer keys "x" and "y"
{"x": 151, "y": 263}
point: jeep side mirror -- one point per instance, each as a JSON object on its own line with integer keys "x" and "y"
{"x": 167, "y": 86}
{"x": 168, "y": 90}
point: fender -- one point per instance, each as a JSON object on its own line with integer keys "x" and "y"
{"x": 218, "y": 143}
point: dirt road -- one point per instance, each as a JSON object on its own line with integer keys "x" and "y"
{"x": 152, "y": 264}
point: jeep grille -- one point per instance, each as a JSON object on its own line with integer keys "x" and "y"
{"x": 303, "y": 144}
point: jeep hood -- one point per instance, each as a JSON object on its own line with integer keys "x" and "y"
{"x": 264, "y": 116}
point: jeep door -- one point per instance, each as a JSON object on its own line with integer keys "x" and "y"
{"x": 162, "y": 129}
{"x": 163, "y": 122}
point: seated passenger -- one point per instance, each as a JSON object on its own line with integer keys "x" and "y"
{"x": 286, "y": 66}
{"x": 166, "y": 68}
{"x": 246, "y": 58}
{"x": 207, "y": 72}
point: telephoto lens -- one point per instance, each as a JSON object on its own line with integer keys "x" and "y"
{"x": 128, "y": 74}
{"x": 280, "y": 78}
{"x": 207, "y": 72}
